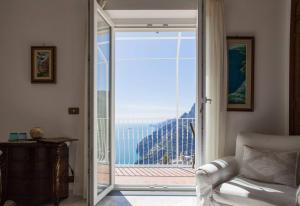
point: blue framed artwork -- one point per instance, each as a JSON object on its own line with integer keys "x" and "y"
{"x": 240, "y": 94}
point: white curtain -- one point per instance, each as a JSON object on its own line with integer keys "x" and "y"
{"x": 216, "y": 83}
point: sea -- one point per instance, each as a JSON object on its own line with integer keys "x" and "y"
{"x": 127, "y": 137}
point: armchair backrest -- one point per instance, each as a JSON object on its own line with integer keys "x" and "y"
{"x": 267, "y": 142}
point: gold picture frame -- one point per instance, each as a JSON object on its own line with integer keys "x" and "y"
{"x": 43, "y": 64}
{"x": 240, "y": 76}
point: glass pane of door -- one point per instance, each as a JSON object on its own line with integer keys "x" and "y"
{"x": 102, "y": 108}
{"x": 153, "y": 121}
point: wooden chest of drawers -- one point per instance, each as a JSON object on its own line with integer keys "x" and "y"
{"x": 34, "y": 173}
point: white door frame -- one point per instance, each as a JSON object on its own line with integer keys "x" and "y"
{"x": 198, "y": 115}
{"x": 199, "y": 142}
{"x": 200, "y": 103}
{"x": 94, "y": 10}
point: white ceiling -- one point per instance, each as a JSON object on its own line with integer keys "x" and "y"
{"x": 136, "y": 12}
{"x": 151, "y": 5}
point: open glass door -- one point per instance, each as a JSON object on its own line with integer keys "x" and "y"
{"x": 201, "y": 83}
{"x": 101, "y": 104}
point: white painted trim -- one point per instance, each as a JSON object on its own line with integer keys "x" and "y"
{"x": 92, "y": 55}
{"x": 157, "y": 18}
{"x": 105, "y": 193}
{"x": 158, "y": 22}
{"x": 154, "y": 188}
{"x": 156, "y": 38}
{"x": 105, "y": 16}
{"x": 152, "y": 14}
{"x": 177, "y": 94}
{"x": 94, "y": 11}
{"x": 112, "y": 131}
{"x": 171, "y": 187}
{"x": 132, "y": 28}
{"x": 154, "y": 29}
{"x": 136, "y": 27}
{"x": 199, "y": 141}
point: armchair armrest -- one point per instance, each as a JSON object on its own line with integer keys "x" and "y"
{"x": 210, "y": 175}
{"x": 298, "y": 196}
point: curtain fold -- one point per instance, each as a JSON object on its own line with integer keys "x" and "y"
{"x": 216, "y": 81}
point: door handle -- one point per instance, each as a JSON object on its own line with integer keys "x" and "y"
{"x": 207, "y": 100}
{"x": 204, "y": 101}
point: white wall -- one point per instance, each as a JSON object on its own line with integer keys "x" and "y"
{"x": 24, "y": 105}
{"x": 268, "y": 21}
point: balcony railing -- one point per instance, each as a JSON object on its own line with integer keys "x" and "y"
{"x": 102, "y": 140}
{"x": 149, "y": 142}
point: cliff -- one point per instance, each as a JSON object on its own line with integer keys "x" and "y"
{"x": 161, "y": 145}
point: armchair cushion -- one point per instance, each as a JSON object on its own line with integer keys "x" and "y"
{"x": 270, "y": 166}
{"x": 242, "y": 191}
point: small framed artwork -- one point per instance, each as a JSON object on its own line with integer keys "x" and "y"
{"x": 240, "y": 94}
{"x": 43, "y": 64}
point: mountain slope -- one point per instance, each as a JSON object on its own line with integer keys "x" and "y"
{"x": 161, "y": 145}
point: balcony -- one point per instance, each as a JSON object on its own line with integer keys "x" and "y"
{"x": 151, "y": 152}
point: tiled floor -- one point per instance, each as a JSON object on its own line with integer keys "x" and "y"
{"x": 154, "y": 199}
{"x": 149, "y": 200}
{"x": 137, "y": 199}
{"x": 71, "y": 201}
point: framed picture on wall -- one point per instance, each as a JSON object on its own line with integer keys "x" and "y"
{"x": 240, "y": 94}
{"x": 43, "y": 64}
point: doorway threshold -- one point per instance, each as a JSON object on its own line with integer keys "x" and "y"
{"x": 151, "y": 193}
{"x": 154, "y": 188}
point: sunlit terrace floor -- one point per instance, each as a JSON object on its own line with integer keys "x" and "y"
{"x": 154, "y": 176}
{"x": 149, "y": 176}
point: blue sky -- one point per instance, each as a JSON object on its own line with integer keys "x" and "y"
{"x": 145, "y": 79}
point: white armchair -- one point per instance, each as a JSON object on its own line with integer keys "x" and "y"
{"x": 9, "y": 203}
{"x": 219, "y": 183}
{"x": 298, "y": 195}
